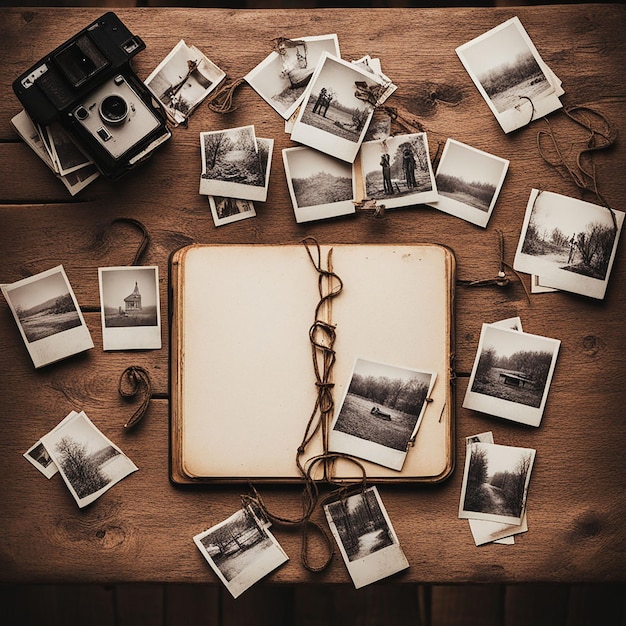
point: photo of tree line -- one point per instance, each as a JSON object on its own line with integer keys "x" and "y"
{"x": 477, "y": 194}
{"x": 322, "y": 188}
{"x": 520, "y": 377}
{"x": 48, "y": 318}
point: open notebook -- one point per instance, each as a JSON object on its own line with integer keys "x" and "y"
{"x": 242, "y": 384}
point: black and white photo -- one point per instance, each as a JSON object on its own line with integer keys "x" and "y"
{"x": 65, "y": 154}
{"x": 381, "y": 412}
{"x": 229, "y": 210}
{"x": 396, "y": 171}
{"x": 39, "y": 456}
{"x": 332, "y": 118}
{"x": 485, "y": 531}
{"x": 366, "y": 539}
{"x": 495, "y": 482}
{"x": 130, "y": 307}
{"x": 183, "y": 80}
{"x": 468, "y": 182}
{"x": 569, "y": 243}
{"x": 511, "y": 374}
{"x": 235, "y": 164}
{"x": 89, "y": 462}
{"x": 320, "y": 186}
{"x": 48, "y": 316}
{"x": 240, "y": 550}
{"x": 282, "y": 77}
{"x": 511, "y": 75}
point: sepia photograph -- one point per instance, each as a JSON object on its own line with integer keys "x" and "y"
{"x": 240, "y": 550}
{"x": 381, "y": 412}
{"x": 373, "y": 66}
{"x": 282, "y": 77}
{"x": 397, "y": 171}
{"x": 366, "y": 539}
{"x": 48, "y": 316}
{"x": 228, "y": 210}
{"x": 130, "y": 307}
{"x": 495, "y": 482}
{"x": 183, "y": 80}
{"x": 484, "y": 531}
{"x": 468, "y": 182}
{"x": 39, "y": 456}
{"x": 569, "y": 243}
{"x": 320, "y": 186}
{"x": 510, "y": 75}
{"x": 235, "y": 164}
{"x": 511, "y": 374}
{"x": 66, "y": 156}
{"x": 332, "y": 118}
{"x": 89, "y": 462}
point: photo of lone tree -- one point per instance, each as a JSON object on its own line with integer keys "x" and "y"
{"x": 496, "y": 479}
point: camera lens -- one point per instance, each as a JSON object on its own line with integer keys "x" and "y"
{"x": 113, "y": 109}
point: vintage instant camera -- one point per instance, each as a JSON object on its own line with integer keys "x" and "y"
{"x": 88, "y": 86}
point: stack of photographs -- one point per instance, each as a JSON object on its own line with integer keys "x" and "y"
{"x": 241, "y": 550}
{"x": 512, "y": 373}
{"x": 183, "y": 80}
{"x": 495, "y": 489}
{"x": 568, "y": 244}
{"x": 511, "y": 76}
{"x": 89, "y": 463}
{"x": 57, "y": 150}
{"x": 235, "y": 171}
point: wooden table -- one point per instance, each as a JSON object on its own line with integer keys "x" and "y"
{"x": 141, "y": 530}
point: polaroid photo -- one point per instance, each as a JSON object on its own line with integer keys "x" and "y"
{"x": 570, "y": 243}
{"x": 228, "y": 210}
{"x": 30, "y": 134}
{"x": 511, "y": 75}
{"x": 66, "y": 156}
{"x": 282, "y": 77}
{"x": 183, "y": 80}
{"x": 130, "y": 307}
{"x": 468, "y": 182}
{"x": 235, "y": 164}
{"x": 332, "y": 118}
{"x": 373, "y": 66}
{"x": 537, "y": 286}
{"x": 379, "y": 127}
{"x": 495, "y": 482}
{"x": 484, "y": 531}
{"x": 39, "y": 457}
{"x": 89, "y": 462}
{"x": 366, "y": 539}
{"x": 48, "y": 316}
{"x": 396, "y": 171}
{"x": 511, "y": 374}
{"x": 240, "y": 550}
{"x": 381, "y": 412}
{"x": 513, "y": 323}
{"x": 320, "y": 186}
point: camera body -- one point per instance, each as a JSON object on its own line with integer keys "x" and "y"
{"x": 88, "y": 86}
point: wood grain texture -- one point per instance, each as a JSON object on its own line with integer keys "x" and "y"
{"x": 141, "y": 530}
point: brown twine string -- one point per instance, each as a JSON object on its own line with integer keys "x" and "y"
{"x": 134, "y": 380}
{"x": 144, "y": 241}
{"x": 322, "y": 337}
{"x": 532, "y": 109}
{"x": 501, "y": 280}
{"x": 222, "y": 99}
{"x": 602, "y": 135}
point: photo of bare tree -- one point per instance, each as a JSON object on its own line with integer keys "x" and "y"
{"x": 495, "y": 482}
{"x": 89, "y": 462}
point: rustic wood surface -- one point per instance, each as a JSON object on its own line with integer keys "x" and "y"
{"x": 141, "y": 530}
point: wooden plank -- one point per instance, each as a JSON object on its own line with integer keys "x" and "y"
{"x": 139, "y": 605}
{"x": 191, "y": 604}
{"x": 597, "y": 604}
{"x": 265, "y": 605}
{"x": 467, "y": 605}
{"x": 535, "y": 604}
